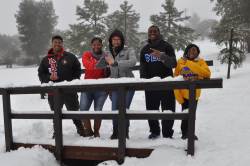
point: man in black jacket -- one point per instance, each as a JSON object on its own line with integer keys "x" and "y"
{"x": 58, "y": 66}
{"x": 157, "y": 58}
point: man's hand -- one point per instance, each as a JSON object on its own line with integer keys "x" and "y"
{"x": 54, "y": 77}
{"x": 155, "y": 53}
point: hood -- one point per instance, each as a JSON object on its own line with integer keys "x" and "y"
{"x": 188, "y": 48}
{"x": 119, "y": 34}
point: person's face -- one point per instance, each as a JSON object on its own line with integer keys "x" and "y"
{"x": 57, "y": 45}
{"x": 153, "y": 33}
{"x": 96, "y": 46}
{"x": 193, "y": 53}
{"x": 116, "y": 41}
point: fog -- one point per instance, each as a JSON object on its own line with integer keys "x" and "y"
{"x": 65, "y": 9}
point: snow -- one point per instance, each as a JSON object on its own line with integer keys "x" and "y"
{"x": 36, "y": 156}
{"x": 222, "y": 124}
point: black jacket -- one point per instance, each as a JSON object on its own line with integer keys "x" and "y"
{"x": 68, "y": 68}
{"x": 151, "y": 66}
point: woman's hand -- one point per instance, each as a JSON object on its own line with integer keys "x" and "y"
{"x": 109, "y": 60}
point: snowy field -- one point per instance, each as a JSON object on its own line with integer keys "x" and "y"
{"x": 222, "y": 124}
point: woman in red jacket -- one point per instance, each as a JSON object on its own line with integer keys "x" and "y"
{"x": 90, "y": 59}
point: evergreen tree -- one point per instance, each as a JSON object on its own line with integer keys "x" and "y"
{"x": 36, "y": 21}
{"x": 221, "y": 34}
{"x": 9, "y": 50}
{"x": 194, "y": 21}
{"x": 170, "y": 23}
{"x": 204, "y": 28}
{"x": 91, "y": 18}
{"x": 126, "y": 20}
{"x": 244, "y": 11}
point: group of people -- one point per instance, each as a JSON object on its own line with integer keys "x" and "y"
{"x": 157, "y": 59}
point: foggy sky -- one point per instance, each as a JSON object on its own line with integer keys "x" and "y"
{"x": 65, "y": 9}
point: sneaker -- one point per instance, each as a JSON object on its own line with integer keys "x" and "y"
{"x": 184, "y": 137}
{"x": 127, "y": 135}
{"x": 53, "y": 136}
{"x": 153, "y": 136}
{"x": 96, "y": 134}
{"x": 114, "y": 136}
{"x": 87, "y": 133}
{"x": 168, "y": 136}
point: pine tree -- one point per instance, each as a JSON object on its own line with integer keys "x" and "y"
{"x": 194, "y": 21}
{"x": 9, "y": 50}
{"x": 171, "y": 28}
{"x": 244, "y": 11}
{"x": 230, "y": 19}
{"x": 91, "y": 18}
{"x": 204, "y": 28}
{"x": 35, "y": 23}
{"x": 126, "y": 20}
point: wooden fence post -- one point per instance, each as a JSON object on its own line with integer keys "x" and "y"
{"x": 191, "y": 118}
{"x": 121, "y": 125}
{"x": 7, "y": 121}
{"x": 58, "y": 125}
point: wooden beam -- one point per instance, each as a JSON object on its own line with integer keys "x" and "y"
{"x": 139, "y": 86}
{"x": 91, "y": 153}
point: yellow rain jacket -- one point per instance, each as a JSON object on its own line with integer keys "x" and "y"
{"x": 198, "y": 67}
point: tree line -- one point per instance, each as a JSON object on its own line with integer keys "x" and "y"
{"x": 36, "y": 21}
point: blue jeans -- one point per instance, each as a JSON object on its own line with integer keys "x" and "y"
{"x": 87, "y": 98}
{"x": 115, "y": 100}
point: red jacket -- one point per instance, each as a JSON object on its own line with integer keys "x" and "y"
{"x": 89, "y": 62}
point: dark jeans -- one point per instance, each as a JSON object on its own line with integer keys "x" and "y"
{"x": 69, "y": 99}
{"x": 167, "y": 101}
{"x": 184, "y": 123}
{"x": 71, "y": 102}
{"x": 114, "y": 99}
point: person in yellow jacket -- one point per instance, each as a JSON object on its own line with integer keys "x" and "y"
{"x": 191, "y": 67}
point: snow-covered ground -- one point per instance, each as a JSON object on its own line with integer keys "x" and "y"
{"x": 222, "y": 124}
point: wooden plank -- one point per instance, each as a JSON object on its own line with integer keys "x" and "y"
{"x": 91, "y": 153}
{"x": 157, "y": 115}
{"x": 32, "y": 115}
{"x": 163, "y": 85}
{"x": 87, "y": 115}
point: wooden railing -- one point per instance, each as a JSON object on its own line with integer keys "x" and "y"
{"x": 121, "y": 115}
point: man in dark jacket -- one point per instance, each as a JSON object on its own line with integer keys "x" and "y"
{"x": 157, "y": 58}
{"x": 58, "y": 66}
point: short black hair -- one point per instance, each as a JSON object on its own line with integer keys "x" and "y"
{"x": 156, "y": 27}
{"x": 57, "y": 37}
{"x": 96, "y": 39}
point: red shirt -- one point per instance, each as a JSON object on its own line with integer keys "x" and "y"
{"x": 89, "y": 62}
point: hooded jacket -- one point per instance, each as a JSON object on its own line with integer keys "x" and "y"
{"x": 124, "y": 58}
{"x": 197, "y": 66}
{"x": 151, "y": 66}
{"x": 64, "y": 64}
